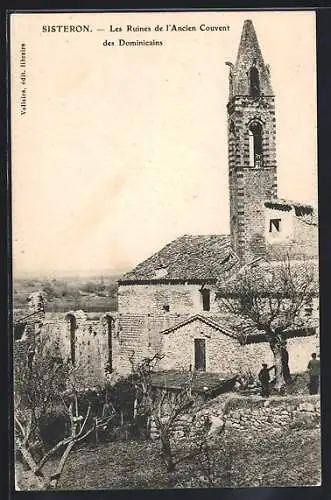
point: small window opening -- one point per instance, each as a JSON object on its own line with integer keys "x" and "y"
{"x": 254, "y": 82}
{"x": 274, "y": 225}
{"x": 166, "y": 307}
{"x": 205, "y": 299}
{"x": 255, "y": 145}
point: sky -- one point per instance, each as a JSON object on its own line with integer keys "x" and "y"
{"x": 123, "y": 149}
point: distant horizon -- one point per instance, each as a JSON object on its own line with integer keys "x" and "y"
{"x": 115, "y": 271}
{"x": 69, "y": 273}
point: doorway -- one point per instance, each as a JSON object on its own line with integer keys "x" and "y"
{"x": 200, "y": 354}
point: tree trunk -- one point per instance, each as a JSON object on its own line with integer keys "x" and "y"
{"x": 166, "y": 451}
{"x": 286, "y": 368}
{"x": 279, "y": 376}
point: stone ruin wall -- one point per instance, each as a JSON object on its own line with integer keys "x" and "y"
{"x": 137, "y": 331}
{"x": 138, "y": 334}
{"x": 91, "y": 344}
{"x": 274, "y": 414}
{"x": 249, "y": 414}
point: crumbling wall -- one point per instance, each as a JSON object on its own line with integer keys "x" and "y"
{"x": 139, "y": 336}
{"x": 249, "y": 414}
{"x": 92, "y": 349}
{"x": 274, "y": 414}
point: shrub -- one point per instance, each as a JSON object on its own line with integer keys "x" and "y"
{"x": 53, "y": 427}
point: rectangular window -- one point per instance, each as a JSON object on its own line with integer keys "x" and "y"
{"x": 274, "y": 225}
{"x": 200, "y": 354}
{"x": 205, "y": 299}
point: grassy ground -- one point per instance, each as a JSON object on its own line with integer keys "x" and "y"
{"x": 290, "y": 459}
{"x": 299, "y": 385}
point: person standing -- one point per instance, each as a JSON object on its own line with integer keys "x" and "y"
{"x": 264, "y": 378}
{"x": 314, "y": 374}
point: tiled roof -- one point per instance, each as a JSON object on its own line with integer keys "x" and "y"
{"x": 202, "y": 257}
{"x": 208, "y": 320}
{"x": 310, "y": 219}
{"x": 287, "y": 204}
{"x": 201, "y": 382}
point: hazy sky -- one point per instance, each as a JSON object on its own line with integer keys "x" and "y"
{"x": 124, "y": 149}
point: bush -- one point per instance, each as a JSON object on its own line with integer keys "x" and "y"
{"x": 121, "y": 395}
{"x": 53, "y": 427}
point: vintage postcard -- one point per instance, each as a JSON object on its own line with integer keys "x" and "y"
{"x": 165, "y": 249}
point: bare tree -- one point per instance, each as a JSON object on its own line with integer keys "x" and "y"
{"x": 270, "y": 298}
{"x": 39, "y": 383}
{"x": 162, "y": 406}
{"x": 39, "y": 376}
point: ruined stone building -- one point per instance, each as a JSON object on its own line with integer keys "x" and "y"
{"x": 168, "y": 303}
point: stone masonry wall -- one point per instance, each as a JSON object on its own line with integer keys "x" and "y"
{"x": 306, "y": 236}
{"x": 181, "y": 299}
{"x": 297, "y": 237}
{"x": 250, "y": 186}
{"x": 299, "y": 349}
{"x": 249, "y": 414}
{"x": 91, "y": 345}
{"x": 274, "y": 414}
{"x": 225, "y": 355}
{"x": 139, "y": 335}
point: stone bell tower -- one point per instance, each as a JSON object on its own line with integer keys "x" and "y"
{"x": 251, "y": 146}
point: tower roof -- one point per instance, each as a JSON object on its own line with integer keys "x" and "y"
{"x": 249, "y": 56}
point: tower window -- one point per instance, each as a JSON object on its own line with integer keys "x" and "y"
{"x": 205, "y": 293}
{"x": 232, "y": 128}
{"x": 274, "y": 225}
{"x": 254, "y": 82}
{"x": 166, "y": 307}
{"x": 255, "y": 145}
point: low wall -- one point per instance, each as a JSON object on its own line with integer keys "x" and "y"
{"x": 274, "y": 414}
{"x": 251, "y": 414}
